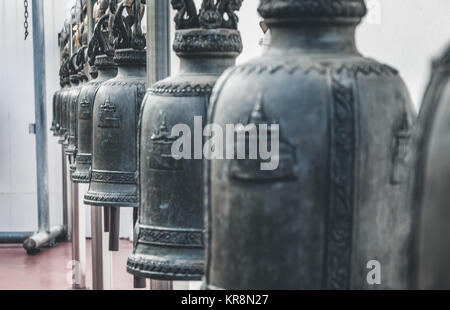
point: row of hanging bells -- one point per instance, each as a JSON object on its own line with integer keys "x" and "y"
{"x": 339, "y": 194}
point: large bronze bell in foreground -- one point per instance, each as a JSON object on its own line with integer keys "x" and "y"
{"x": 327, "y": 201}
{"x": 105, "y": 69}
{"x": 430, "y": 193}
{"x": 116, "y": 110}
{"x": 170, "y": 244}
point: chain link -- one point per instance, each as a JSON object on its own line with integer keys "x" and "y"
{"x": 25, "y": 24}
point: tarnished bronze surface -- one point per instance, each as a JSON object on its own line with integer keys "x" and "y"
{"x": 170, "y": 243}
{"x": 105, "y": 69}
{"x": 430, "y": 194}
{"x": 337, "y": 199}
{"x": 115, "y": 117}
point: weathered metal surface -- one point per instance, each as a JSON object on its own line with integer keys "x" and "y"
{"x": 115, "y": 116}
{"x": 57, "y": 101}
{"x": 72, "y": 99}
{"x": 105, "y": 70}
{"x": 430, "y": 193}
{"x": 337, "y": 199}
{"x": 64, "y": 104}
{"x": 170, "y": 244}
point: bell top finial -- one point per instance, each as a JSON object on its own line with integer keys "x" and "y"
{"x": 313, "y": 11}
{"x": 127, "y": 30}
{"x": 101, "y": 47}
{"x": 211, "y": 29}
{"x": 211, "y": 15}
{"x": 129, "y": 40}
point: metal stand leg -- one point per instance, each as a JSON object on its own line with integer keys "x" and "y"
{"x": 114, "y": 229}
{"x": 64, "y": 196}
{"x": 101, "y": 260}
{"x": 107, "y": 215}
{"x": 107, "y": 263}
{"x": 138, "y": 281}
{"x": 78, "y": 240}
{"x": 97, "y": 241}
{"x": 68, "y": 198}
{"x": 45, "y": 234}
{"x": 161, "y": 285}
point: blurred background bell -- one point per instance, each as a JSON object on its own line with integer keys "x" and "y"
{"x": 115, "y": 119}
{"x": 430, "y": 194}
{"x": 170, "y": 244}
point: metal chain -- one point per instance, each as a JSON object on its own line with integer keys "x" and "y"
{"x": 25, "y": 24}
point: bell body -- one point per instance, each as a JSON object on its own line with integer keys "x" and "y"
{"x": 58, "y": 99}
{"x": 55, "y": 104}
{"x": 170, "y": 244}
{"x": 335, "y": 201}
{"x": 71, "y": 148}
{"x": 432, "y": 176}
{"x": 64, "y": 115}
{"x": 115, "y": 118}
{"x": 107, "y": 70}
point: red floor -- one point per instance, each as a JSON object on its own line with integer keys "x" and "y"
{"x": 50, "y": 269}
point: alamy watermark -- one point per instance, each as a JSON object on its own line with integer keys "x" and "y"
{"x": 374, "y": 274}
{"x": 252, "y": 141}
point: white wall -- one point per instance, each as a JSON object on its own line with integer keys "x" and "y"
{"x": 403, "y": 33}
{"x": 18, "y": 202}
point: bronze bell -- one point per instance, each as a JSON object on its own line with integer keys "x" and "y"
{"x": 432, "y": 175}
{"x": 64, "y": 105}
{"x": 105, "y": 69}
{"x": 56, "y": 108}
{"x": 115, "y": 117}
{"x": 75, "y": 80}
{"x": 56, "y": 97}
{"x": 320, "y": 193}
{"x": 170, "y": 244}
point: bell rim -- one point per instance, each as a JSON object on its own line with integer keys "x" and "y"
{"x": 103, "y": 199}
{"x": 164, "y": 276}
{"x": 81, "y": 176}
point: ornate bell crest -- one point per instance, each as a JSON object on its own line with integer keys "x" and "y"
{"x": 105, "y": 69}
{"x": 330, "y": 203}
{"x": 430, "y": 185}
{"x": 170, "y": 244}
{"x": 115, "y": 113}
